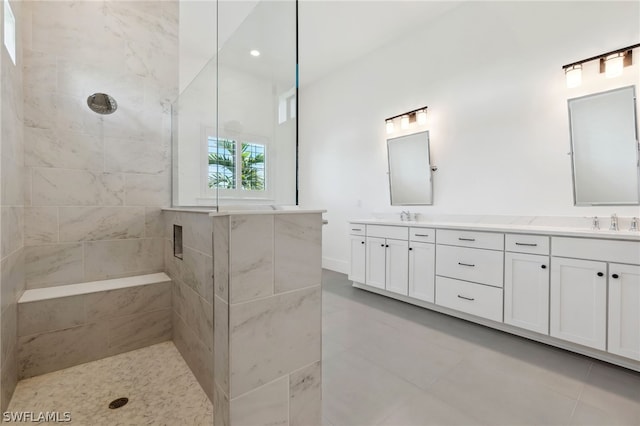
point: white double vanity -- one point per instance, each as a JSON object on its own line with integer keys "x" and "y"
{"x": 572, "y": 288}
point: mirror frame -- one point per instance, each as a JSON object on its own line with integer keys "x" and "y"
{"x": 572, "y": 151}
{"x": 429, "y": 166}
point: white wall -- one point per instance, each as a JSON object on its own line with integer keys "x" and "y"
{"x": 491, "y": 75}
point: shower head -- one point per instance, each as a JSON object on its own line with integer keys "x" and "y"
{"x": 102, "y": 103}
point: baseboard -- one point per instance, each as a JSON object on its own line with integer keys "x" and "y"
{"x": 335, "y": 265}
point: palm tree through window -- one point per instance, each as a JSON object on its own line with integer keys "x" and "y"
{"x": 232, "y": 169}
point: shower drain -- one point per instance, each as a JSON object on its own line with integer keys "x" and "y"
{"x": 117, "y": 403}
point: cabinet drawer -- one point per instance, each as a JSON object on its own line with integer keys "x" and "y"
{"x": 534, "y": 244}
{"x": 487, "y": 240}
{"x": 424, "y": 235}
{"x": 592, "y": 249}
{"x": 477, "y": 265}
{"x": 474, "y": 299}
{"x": 382, "y": 231}
{"x": 357, "y": 229}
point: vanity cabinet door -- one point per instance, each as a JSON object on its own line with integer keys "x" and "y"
{"x": 422, "y": 271}
{"x": 526, "y": 291}
{"x": 376, "y": 262}
{"x": 624, "y": 310}
{"x": 579, "y": 301}
{"x": 397, "y": 266}
{"x": 358, "y": 256}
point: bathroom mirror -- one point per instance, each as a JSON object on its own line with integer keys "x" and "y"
{"x": 410, "y": 170}
{"x": 604, "y": 148}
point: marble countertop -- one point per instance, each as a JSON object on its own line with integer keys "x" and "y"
{"x": 548, "y": 229}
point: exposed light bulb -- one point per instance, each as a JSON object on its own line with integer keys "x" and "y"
{"x": 613, "y": 65}
{"x": 573, "y": 75}
{"x": 404, "y": 122}
{"x": 389, "y": 126}
{"x": 421, "y": 117}
{"x": 255, "y": 53}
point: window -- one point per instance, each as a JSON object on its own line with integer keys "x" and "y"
{"x": 236, "y": 167}
{"x": 10, "y": 31}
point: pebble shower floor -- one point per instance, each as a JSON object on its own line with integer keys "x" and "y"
{"x": 160, "y": 387}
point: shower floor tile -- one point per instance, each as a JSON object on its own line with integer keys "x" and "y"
{"x": 160, "y": 387}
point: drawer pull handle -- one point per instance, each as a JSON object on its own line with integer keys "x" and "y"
{"x": 354, "y": 229}
{"x": 466, "y": 264}
{"x": 527, "y": 244}
{"x": 614, "y": 276}
{"x": 466, "y": 298}
{"x": 421, "y": 235}
{"x": 361, "y": 242}
{"x": 600, "y": 274}
{"x": 387, "y": 245}
{"x": 410, "y": 248}
{"x": 381, "y": 245}
{"x": 543, "y": 266}
{"x": 466, "y": 239}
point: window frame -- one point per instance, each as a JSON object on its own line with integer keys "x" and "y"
{"x": 237, "y": 193}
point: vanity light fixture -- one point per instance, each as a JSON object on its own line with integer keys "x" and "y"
{"x": 389, "y": 126}
{"x": 404, "y": 122}
{"x": 418, "y": 116}
{"x": 422, "y": 117}
{"x": 611, "y": 64}
{"x": 574, "y": 76}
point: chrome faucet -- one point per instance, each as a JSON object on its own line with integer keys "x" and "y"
{"x": 614, "y": 223}
{"x": 596, "y": 223}
{"x": 634, "y": 224}
{"x": 405, "y": 215}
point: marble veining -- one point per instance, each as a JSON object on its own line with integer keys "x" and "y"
{"x": 221, "y": 344}
{"x": 11, "y": 229}
{"x": 251, "y": 246}
{"x": 265, "y": 406}
{"x": 157, "y": 381}
{"x": 195, "y": 354}
{"x": 63, "y": 149}
{"x": 100, "y": 223}
{"x": 40, "y": 225}
{"x": 305, "y": 395}
{"x": 116, "y": 258}
{"x": 298, "y": 251}
{"x": 263, "y": 334}
{"x": 53, "y": 264}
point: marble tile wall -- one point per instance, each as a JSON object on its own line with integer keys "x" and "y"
{"x": 192, "y": 294}
{"x": 58, "y": 333}
{"x": 267, "y": 328}
{"x": 12, "y": 183}
{"x": 96, "y": 183}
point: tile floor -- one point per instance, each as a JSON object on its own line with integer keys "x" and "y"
{"x": 386, "y": 362}
{"x": 157, "y": 381}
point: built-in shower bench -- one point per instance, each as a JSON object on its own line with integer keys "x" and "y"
{"x": 59, "y": 327}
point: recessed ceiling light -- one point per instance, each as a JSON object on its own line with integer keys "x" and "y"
{"x": 255, "y": 53}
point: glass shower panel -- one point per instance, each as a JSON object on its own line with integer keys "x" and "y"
{"x": 235, "y": 125}
{"x": 193, "y": 120}
{"x": 252, "y": 155}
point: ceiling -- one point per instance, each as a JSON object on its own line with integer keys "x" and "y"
{"x": 334, "y": 33}
{"x": 331, "y": 33}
